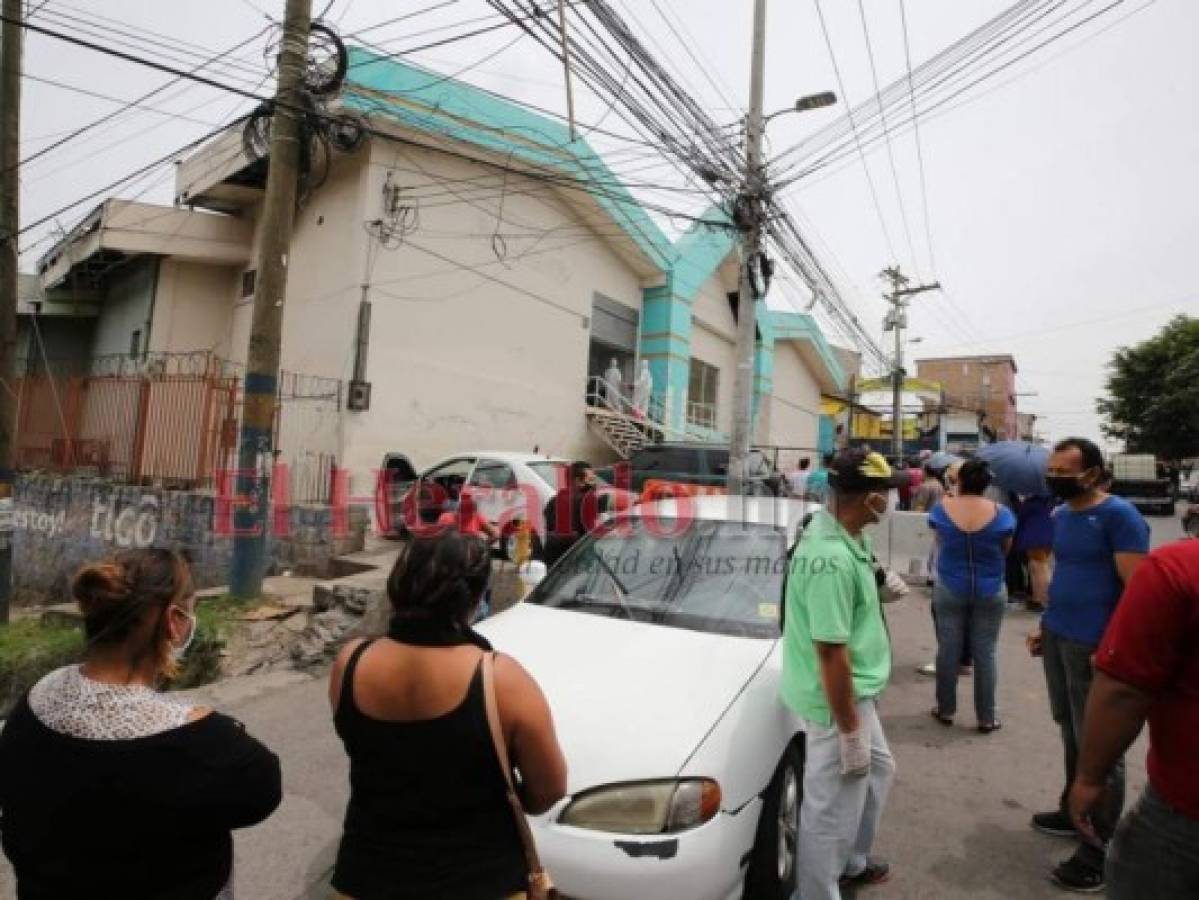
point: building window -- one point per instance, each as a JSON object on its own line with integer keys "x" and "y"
{"x": 701, "y": 394}
{"x": 135, "y": 343}
{"x": 249, "y": 279}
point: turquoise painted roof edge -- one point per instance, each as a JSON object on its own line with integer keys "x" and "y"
{"x": 465, "y": 113}
{"x": 700, "y": 251}
{"x": 791, "y": 326}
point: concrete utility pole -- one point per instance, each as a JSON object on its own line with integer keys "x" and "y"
{"x": 749, "y": 220}
{"x": 570, "y": 91}
{"x": 897, "y": 321}
{"x": 10, "y": 128}
{"x": 255, "y": 456}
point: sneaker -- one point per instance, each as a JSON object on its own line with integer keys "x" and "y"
{"x": 928, "y": 669}
{"x": 1078, "y": 876}
{"x": 1056, "y": 823}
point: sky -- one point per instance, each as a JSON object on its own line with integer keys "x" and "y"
{"x": 1061, "y": 194}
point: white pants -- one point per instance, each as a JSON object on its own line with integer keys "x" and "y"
{"x": 840, "y": 813}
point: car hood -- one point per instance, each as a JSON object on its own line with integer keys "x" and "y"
{"x": 630, "y": 700}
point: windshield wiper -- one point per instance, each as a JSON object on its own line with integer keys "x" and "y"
{"x": 620, "y": 589}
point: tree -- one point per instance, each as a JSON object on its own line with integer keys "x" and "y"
{"x": 1153, "y": 393}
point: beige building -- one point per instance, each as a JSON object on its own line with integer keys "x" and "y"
{"x": 464, "y": 276}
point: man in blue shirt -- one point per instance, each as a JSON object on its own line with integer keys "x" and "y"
{"x": 1098, "y": 540}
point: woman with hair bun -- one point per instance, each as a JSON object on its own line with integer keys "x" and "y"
{"x": 429, "y": 815}
{"x": 109, "y": 788}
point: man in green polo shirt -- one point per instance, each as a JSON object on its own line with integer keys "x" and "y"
{"x": 836, "y": 662}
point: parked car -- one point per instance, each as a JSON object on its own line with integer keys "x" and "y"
{"x": 657, "y": 642}
{"x": 698, "y": 464}
{"x": 509, "y": 489}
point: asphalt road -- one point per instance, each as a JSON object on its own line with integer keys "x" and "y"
{"x": 956, "y": 824}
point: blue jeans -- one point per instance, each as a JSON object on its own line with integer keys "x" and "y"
{"x": 1155, "y": 853}
{"x": 977, "y": 620}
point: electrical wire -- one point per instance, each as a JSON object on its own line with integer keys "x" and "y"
{"x": 878, "y": 208}
{"x": 907, "y": 55}
{"x": 136, "y": 102}
{"x": 903, "y": 212}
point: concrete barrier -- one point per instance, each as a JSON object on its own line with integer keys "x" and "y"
{"x": 902, "y": 543}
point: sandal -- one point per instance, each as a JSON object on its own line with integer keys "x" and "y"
{"x": 989, "y": 727}
{"x": 944, "y": 720}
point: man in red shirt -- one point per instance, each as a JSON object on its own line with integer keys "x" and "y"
{"x": 1147, "y": 667}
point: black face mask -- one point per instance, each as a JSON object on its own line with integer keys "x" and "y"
{"x": 1066, "y": 487}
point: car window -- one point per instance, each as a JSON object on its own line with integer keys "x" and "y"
{"x": 555, "y": 474}
{"x": 493, "y": 473}
{"x": 719, "y": 577}
{"x": 450, "y": 476}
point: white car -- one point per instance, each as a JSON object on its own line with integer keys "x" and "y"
{"x": 657, "y": 641}
{"x": 508, "y": 488}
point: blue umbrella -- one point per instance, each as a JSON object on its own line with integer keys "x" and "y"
{"x": 1018, "y": 466}
{"x": 942, "y": 460}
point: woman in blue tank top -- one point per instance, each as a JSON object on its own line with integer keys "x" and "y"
{"x": 973, "y": 538}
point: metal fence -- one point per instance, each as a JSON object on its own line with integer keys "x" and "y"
{"x": 169, "y": 419}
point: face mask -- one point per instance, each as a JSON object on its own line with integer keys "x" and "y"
{"x": 1065, "y": 487}
{"x": 177, "y": 652}
{"x": 874, "y": 507}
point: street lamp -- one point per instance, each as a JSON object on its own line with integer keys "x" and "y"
{"x": 803, "y": 104}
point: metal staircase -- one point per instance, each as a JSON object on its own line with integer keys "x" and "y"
{"x": 619, "y": 424}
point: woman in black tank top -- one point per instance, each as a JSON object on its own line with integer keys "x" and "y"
{"x": 428, "y": 817}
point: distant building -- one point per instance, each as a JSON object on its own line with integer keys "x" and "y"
{"x": 982, "y": 386}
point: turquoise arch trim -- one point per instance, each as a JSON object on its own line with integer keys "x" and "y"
{"x": 789, "y": 326}
{"x": 446, "y": 107}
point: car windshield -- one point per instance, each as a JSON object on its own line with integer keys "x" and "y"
{"x": 720, "y": 577}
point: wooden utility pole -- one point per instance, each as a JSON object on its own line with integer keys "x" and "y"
{"x": 10, "y": 128}
{"x": 255, "y": 456}
{"x": 897, "y": 321}
{"x": 750, "y": 222}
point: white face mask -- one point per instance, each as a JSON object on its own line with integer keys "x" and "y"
{"x": 872, "y": 506}
{"x": 178, "y": 651}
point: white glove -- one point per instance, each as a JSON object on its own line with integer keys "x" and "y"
{"x": 896, "y": 585}
{"x": 855, "y": 752}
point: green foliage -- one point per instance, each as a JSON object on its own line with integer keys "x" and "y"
{"x": 215, "y": 621}
{"x": 28, "y": 650}
{"x": 1153, "y": 393}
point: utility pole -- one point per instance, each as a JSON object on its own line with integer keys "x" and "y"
{"x": 570, "y": 93}
{"x": 10, "y": 128}
{"x": 255, "y": 452}
{"x": 897, "y": 321}
{"x": 749, "y": 220}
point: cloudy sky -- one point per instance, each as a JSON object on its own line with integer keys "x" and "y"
{"x": 1061, "y": 193}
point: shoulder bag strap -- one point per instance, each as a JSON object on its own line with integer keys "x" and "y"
{"x": 532, "y": 859}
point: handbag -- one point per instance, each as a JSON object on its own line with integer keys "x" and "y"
{"x": 541, "y": 887}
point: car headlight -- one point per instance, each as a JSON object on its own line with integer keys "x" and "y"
{"x": 646, "y": 807}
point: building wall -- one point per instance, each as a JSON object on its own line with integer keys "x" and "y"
{"x": 192, "y": 308}
{"x": 795, "y": 402}
{"x": 127, "y": 307}
{"x": 714, "y": 340}
{"x": 471, "y": 346}
{"x": 974, "y": 383}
